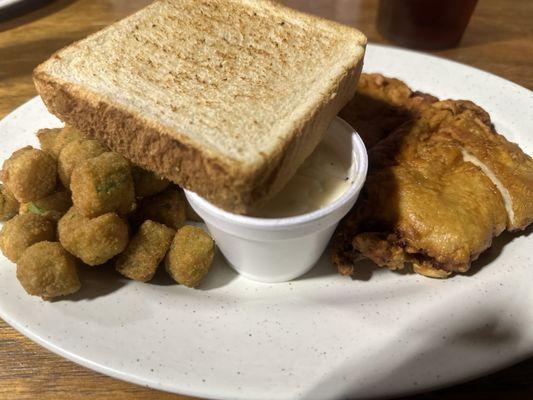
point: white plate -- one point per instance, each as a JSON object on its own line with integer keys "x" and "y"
{"x": 323, "y": 336}
{"x": 7, "y": 3}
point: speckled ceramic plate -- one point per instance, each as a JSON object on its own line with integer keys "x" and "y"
{"x": 322, "y": 336}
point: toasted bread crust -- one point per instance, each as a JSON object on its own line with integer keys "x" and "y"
{"x": 226, "y": 182}
{"x": 148, "y": 146}
{"x": 221, "y": 183}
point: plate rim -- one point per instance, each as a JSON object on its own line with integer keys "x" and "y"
{"x": 204, "y": 391}
{"x": 8, "y": 3}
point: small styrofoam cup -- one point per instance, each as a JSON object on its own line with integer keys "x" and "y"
{"x": 281, "y": 249}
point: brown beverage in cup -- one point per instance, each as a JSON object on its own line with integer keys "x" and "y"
{"x": 424, "y": 24}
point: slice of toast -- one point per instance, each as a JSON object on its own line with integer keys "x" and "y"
{"x": 224, "y": 97}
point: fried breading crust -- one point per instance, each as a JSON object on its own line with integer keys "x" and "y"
{"x": 441, "y": 186}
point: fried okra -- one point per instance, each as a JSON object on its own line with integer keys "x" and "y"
{"x": 96, "y": 240}
{"x": 47, "y": 138}
{"x": 30, "y": 174}
{"x": 74, "y": 154}
{"x": 53, "y": 140}
{"x": 53, "y": 206}
{"x": 22, "y": 231}
{"x": 9, "y": 206}
{"x": 167, "y": 208}
{"x": 45, "y": 269}
{"x": 190, "y": 256}
{"x": 147, "y": 183}
{"x": 103, "y": 184}
{"x": 145, "y": 251}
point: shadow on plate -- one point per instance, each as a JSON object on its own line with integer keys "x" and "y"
{"x": 364, "y": 271}
{"x": 221, "y": 273}
{"x": 493, "y": 252}
{"x": 96, "y": 282}
{"x": 421, "y": 358}
{"x": 322, "y": 268}
{"x": 161, "y": 278}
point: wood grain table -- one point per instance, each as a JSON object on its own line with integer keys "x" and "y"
{"x": 499, "y": 39}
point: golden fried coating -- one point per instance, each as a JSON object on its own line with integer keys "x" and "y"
{"x": 47, "y": 139}
{"x": 425, "y": 214}
{"x": 510, "y": 169}
{"x": 147, "y": 183}
{"x": 53, "y": 206}
{"x": 103, "y": 184}
{"x": 381, "y": 105}
{"x": 96, "y": 240}
{"x": 30, "y": 174}
{"x": 190, "y": 256}
{"x": 74, "y": 154}
{"x": 146, "y": 250}
{"x": 431, "y": 197}
{"x": 9, "y": 206}
{"x": 167, "y": 208}
{"x": 45, "y": 269}
{"x": 22, "y": 231}
{"x": 53, "y": 140}
{"x": 466, "y": 128}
